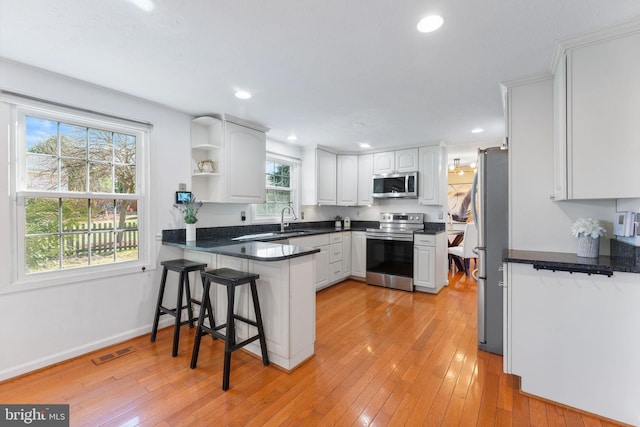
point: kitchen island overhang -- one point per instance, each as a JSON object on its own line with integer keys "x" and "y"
{"x": 286, "y": 290}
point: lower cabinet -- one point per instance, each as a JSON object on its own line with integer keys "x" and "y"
{"x": 346, "y": 254}
{"x": 335, "y": 258}
{"x": 330, "y": 261}
{"x": 430, "y": 262}
{"x": 359, "y": 254}
{"x": 573, "y": 339}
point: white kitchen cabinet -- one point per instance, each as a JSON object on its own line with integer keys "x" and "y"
{"x": 346, "y": 254}
{"x": 430, "y": 262}
{"x": 320, "y": 241}
{"x": 432, "y": 175}
{"x": 227, "y": 160}
{"x": 559, "y": 131}
{"x": 347, "y": 180}
{"x": 384, "y": 162}
{"x": 365, "y": 179}
{"x": 359, "y": 254}
{"x": 330, "y": 259}
{"x": 319, "y": 172}
{"x": 597, "y": 105}
{"x": 396, "y": 161}
{"x": 335, "y": 258}
{"x": 406, "y": 160}
{"x": 570, "y": 339}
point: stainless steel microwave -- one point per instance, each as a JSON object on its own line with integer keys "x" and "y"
{"x": 395, "y": 185}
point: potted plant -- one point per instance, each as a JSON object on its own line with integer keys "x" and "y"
{"x": 588, "y": 232}
{"x": 189, "y": 209}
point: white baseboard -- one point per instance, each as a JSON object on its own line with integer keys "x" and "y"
{"x": 43, "y": 362}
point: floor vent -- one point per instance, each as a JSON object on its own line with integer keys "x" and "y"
{"x": 114, "y": 355}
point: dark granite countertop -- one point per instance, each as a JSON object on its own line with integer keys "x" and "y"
{"x": 253, "y": 242}
{"x": 558, "y": 261}
{"x": 433, "y": 228}
{"x": 253, "y": 250}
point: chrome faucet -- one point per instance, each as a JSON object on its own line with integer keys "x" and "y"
{"x": 282, "y": 224}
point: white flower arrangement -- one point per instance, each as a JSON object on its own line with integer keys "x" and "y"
{"x": 588, "y": 227}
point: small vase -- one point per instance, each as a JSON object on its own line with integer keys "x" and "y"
{"x": 191, "y": 232}
{"x": 588, "y": 247}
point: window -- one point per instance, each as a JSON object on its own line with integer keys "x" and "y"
{"x": 281, "y": 189}
{"x": 78, "y": 182}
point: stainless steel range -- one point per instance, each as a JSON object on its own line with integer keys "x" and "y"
{"x": 390, "y": 250}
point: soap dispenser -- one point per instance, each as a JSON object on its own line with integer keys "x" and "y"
{"x": 347, "y": 223}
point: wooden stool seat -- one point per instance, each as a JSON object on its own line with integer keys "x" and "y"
{"x": 183, "y": 267}
{"x": 231, "y": 279}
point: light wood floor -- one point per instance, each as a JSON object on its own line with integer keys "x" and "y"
{"x": 383, "y": 358}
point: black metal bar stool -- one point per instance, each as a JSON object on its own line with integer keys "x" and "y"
{"x": 231, "y": 279}
{"x": 182, "y": 267}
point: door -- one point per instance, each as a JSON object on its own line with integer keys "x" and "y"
{"x": 424, "y": 266}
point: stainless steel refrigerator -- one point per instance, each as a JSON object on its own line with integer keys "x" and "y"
{"x": 490, "y": 210}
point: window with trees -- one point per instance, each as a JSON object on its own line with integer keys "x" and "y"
{"x": 79, "y": 191}
{"x": 281, "y": 187}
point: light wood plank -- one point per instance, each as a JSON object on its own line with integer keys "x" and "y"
{"x": 383, "y": 358}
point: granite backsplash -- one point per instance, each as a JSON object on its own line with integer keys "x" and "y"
{"x": 625, "y": 252}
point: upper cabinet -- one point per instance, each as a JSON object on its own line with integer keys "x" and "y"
{"x": 365, "y": 179}
{"x": 319, "y": 172}
{"x": 384, "y": 162}
{"x": 432, "y": 175}
{"x": 347, "y": 180}
{"x": 395, "y": 161}
{"x": 227, "y": 160}
{"x": 597, "y": 106}
{"x": 406, "y": 160}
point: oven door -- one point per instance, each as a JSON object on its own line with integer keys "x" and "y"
{"x": 390, "y": 260}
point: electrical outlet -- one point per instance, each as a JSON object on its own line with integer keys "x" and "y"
{"x": 243, "y": 216}
{"x": 301, "y": 214}
{"x": 441, "y": 215}
{"x": 182, "y": 187}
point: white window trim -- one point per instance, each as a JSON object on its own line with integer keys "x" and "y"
{"x": 295, "y": 189}
{"x": 19, "y": 281}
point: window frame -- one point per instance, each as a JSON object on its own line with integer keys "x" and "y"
{"x": 294, "y": 188}
{"x": 19, "y": 109}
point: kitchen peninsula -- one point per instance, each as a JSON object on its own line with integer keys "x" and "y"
{"x": 566, "y": 328}
{"x": 286, "y": 291}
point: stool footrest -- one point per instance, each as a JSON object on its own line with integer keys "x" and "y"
{"x": 214, "y": 332}
{"x": 172, "y": 311}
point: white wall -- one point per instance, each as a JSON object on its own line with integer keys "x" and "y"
{"x": 537, "y": 222}
{"x": 44, "y": 326}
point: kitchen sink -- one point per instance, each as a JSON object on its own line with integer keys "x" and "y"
{"x": 271, "y": 235}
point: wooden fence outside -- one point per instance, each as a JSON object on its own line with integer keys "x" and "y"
{"x": 103, "y": 236}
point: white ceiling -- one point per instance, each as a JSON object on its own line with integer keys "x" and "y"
{"x": 333, "y": 72}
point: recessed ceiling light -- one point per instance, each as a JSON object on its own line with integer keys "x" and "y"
{"x": 477, "y": 130}
{"x": 292, "y": 138}
{"x": 146, "y": 5}
{"x": 243, "y": 94}
{"x": 430, "y": 23}
{"x": 364, "y": 145}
